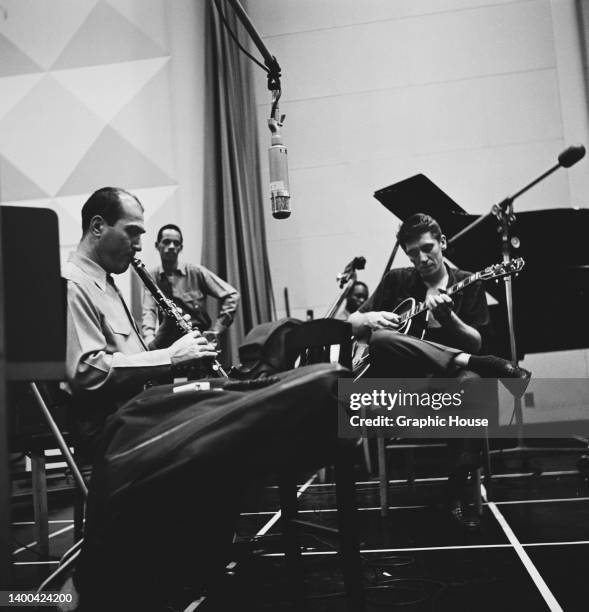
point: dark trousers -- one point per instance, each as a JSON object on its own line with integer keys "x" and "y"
{"x": 395, "y": 355}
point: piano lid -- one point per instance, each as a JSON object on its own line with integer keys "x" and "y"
{"x": 419, "y": 194}
{"x": 552, "y": 243}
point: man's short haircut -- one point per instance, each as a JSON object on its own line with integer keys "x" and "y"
{"x": 416, "y": 225}
{"x": 356, "y": 283}
{"x": 169, "y": 226}
{"x": 105, "y": 202}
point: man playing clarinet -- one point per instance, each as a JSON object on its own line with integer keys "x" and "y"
{"x": 107, "y": 361}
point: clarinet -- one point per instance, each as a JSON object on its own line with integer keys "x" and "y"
{"x": 169, "y": 308}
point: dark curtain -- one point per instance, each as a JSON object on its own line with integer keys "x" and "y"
{"x": 234, "y": 237}
{"x": 583, "y": 21}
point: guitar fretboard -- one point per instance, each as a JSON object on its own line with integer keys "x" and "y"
{"x": 419, "y": 308}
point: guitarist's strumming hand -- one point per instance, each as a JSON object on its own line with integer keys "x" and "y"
{"x": 381, "y": 320}
{"x": 363, "y": 323}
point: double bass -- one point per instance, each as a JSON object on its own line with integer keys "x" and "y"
{"x": 346, "y": 281}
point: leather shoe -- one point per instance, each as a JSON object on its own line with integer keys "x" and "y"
{"x": 496, "y": 367}
{"x": 511, "y": 371}
{"x": 490, "y": 366}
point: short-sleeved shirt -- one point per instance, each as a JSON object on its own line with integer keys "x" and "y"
{"x": 470, "y": 304}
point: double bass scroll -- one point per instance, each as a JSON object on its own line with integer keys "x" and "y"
{"x": 346, "y": 281}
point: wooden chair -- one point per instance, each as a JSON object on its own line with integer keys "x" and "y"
{"x": 410, "y": 447}
{"x": 47, "y": 429}
{"x": 311, "y": 343}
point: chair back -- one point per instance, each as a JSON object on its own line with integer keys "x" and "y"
{"x": 312, "y": 342}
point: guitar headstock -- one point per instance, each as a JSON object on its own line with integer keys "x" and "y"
{"x": 506, "y": 268}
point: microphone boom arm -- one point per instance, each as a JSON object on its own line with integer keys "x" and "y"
{"x": 565, "y": 160}
{"x": 270, "y": 61}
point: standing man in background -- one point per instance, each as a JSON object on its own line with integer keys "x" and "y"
{"x": 188, "y": 285}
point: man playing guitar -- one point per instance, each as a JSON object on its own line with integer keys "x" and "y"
{"x": 454, "y": 327}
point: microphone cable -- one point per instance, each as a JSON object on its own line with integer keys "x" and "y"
{"x": 234, "y": 37}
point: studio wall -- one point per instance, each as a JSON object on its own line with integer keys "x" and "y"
{"x": 479, "y": 95}
{"x": 103, "y": 92}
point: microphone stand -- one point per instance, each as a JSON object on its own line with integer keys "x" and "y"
{"x": 505, "y": 216}
{"x": 251, "y": 30}
{"x": 271, "y": 62}
{"x": 503, "y": 209}
{"x": 504, "y": 205}
{"x": 280, "y": 208}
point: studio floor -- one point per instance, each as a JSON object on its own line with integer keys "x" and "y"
{"x": 530, "y": 553}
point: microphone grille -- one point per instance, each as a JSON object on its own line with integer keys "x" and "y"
{"x": 571, "y": 156}
{"x": 280, "y": 206}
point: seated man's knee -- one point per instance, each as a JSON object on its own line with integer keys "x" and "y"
{"x": 386, "y": 339}
{"x": 379, "y": 340}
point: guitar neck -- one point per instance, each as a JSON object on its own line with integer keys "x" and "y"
{"x": 455, "y": 288}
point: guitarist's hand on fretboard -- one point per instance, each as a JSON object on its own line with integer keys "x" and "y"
{"x": 441, "y": 306}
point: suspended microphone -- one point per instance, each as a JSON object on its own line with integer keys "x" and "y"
{"x": 571, "y": 156}
{"x": 279, "y": 186}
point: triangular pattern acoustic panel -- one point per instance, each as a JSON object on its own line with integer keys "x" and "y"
{"x": 48, "y": 133}
{"x": 42, "y": 29}
{"x": 150, "y": 17}
{"x": 85, "y": 102}
{"x": 14, "y": 88}
{"x": 70, "y": 220}
{"x": 106, "y": 37}
{"x": 16, "y": 185}
{"x": 14, "y": 61}
{"x": 114, "y": 161}
{"x": 155, "y": 199}
{"x": 124, "y": 80}
{"x": 151, "y": 107}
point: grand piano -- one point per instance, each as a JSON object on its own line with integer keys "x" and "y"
{"x": 551, "y": 295}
